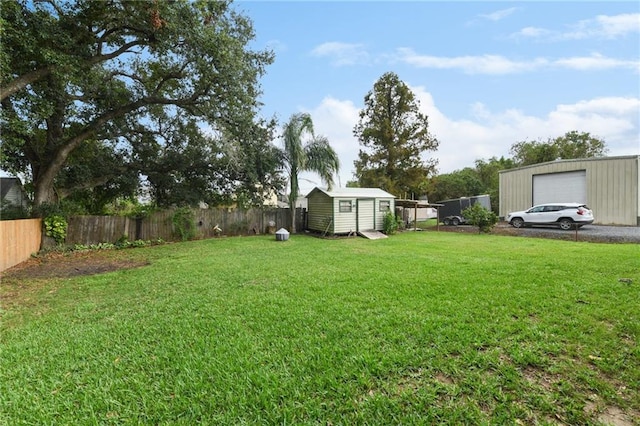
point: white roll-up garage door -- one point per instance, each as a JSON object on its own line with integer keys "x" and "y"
{"x": 567, "y": 187}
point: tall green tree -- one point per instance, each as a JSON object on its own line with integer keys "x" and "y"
{"x": 459, "y": 183}
{"x": 571, "y": 145}
{"x": 394, "y": 136}
{"x": 313, "y": 154}
{"x": 488, "y": 172}
{"x": 76, "y": 72}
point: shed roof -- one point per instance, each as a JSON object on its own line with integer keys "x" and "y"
{"x": 353, "y": 192}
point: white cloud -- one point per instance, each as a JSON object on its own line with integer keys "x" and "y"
{"x": 499, "y": 65}
{"x": 532, "y": 32}
{"x": 488, "y": 134}
{"x": 483, "y": 64}
{"x": 499, "y": 14}
{"x": 342, "y": 53}
{"x": 485, "y": 133}
{"x": 607, "y": 27}
{"x": 617, "y": 26}
{"x": 600, "y": 27}
{"x": 595, "y": 62}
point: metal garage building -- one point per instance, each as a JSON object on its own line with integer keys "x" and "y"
{"x": 610, "y": 186}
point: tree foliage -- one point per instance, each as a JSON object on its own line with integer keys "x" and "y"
{"x": 314, "y": 155}
{"x": 85, "y": 85}
{"x": 488, "y": 172}
{"x": 571, "y": 145}
{"x": 183, "y": 166}
{"x": 394, "y": 135}
{"x": 460, "y": 183}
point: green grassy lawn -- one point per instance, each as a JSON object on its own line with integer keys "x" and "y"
{"x": 419, "y": 328}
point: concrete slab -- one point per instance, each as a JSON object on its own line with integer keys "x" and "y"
{"x": 372, "y": 235}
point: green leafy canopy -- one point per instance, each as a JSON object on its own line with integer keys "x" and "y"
{"x": 117, "y": 74}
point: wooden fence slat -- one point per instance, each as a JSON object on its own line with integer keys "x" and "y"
{"x": 20, "y": 239}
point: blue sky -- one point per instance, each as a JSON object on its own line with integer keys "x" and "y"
{"x": 488, "y": 74}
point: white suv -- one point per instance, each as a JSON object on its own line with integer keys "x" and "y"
{"x": 565, "y": 215}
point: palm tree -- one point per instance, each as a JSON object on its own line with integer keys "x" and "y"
{"x": 314, "y": 156}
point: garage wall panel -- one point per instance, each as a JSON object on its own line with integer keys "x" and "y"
{"x": 612, "y": 187}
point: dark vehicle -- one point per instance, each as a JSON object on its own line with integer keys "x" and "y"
{"x": 450, "y": 213}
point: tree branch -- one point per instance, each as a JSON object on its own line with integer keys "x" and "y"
{"x": 23, "y": 81}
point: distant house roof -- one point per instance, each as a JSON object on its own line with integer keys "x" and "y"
{"x": 353, "y": 192}
{"x": 12, "y": 192}
{"x": 6, "y": 183}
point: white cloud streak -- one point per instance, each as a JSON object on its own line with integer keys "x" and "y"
{"x": 500, "y": 65}
{"x": 483, "y": 64}
{"x": 499, "y": 14}
{"x": 342, "y": 54}
{"x": 600, "y": 27}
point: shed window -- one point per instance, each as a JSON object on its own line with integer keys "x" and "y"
{"x": 385, "y": 206}
{"x": 345, "y": 206}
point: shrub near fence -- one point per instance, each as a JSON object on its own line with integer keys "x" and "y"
{"x": 89, "y": 230}
{"x": 20, "y": 239}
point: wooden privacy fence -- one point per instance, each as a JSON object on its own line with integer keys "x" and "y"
{"x": 89, "y": 230}
{"x": 19, "y": 240}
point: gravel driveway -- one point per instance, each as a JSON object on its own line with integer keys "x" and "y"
{"x": 593, "y": 233}
{"x": 596, "y": 233}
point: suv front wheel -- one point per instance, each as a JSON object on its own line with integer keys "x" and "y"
{"x": 517, "y": 222}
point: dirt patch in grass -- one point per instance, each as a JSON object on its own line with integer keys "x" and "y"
{"x": 65, "y": 265}
{"x": 22, "y": 282}
{"x": 616, "y": 417}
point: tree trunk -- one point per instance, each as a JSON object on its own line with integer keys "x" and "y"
{"x": 292, "y": 209}
{"x": 44, "y": 191}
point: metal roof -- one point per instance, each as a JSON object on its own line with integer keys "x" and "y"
{"x": 416, "y": 203}
{"x": 569, "y": 160}
{"x": 353, "y": 192}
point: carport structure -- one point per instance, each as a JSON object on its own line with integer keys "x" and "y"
{"x": 417, "y": 204}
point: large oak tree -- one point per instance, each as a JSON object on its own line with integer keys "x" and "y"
{"x": 105, "y": 73}
{"x": 394, "y": 136}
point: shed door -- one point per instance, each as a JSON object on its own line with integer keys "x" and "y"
{"x": 567, "y": 187}
{"x": 366, "y": 215}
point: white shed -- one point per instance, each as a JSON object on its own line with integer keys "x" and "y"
{"x": 345, "y": 210}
